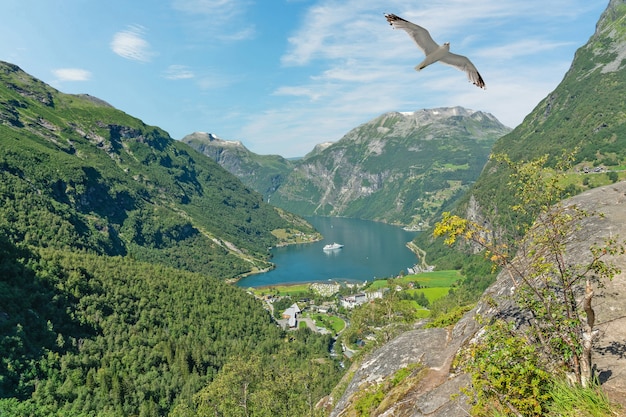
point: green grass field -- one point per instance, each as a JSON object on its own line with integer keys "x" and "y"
{"x": 426, "y": 279}
{"x": 423, "y": 313}
{"x": 332, "y": 323}
{"x": 431, "y": 294}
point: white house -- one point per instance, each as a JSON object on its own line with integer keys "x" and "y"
{"x": 291, "y": 314}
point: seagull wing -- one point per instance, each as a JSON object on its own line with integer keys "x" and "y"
{"x": 419, "y": 35}
{"x": 464, "y": 64}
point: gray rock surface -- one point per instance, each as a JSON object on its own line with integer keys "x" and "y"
{"x": 437, "y": 395}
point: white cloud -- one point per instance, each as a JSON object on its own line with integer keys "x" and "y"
{"x": 245, "y": 33}
{"x": 215, "y": 18}
{"x": 333, "y": 30}
{"x": 72, "y": 74}
{"x": 209, "y": 7}
{"x": 214, "y": 79}
{"x": 520, "y": 48}
{"x": 178, "y": 72}
{"x": 130, "y": 44}
{"x": 298, "y": 92}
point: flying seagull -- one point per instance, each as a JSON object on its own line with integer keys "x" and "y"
{"x": 435, "y": 52}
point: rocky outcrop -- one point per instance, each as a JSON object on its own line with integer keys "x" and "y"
{"x": 263, "y": 173}
{"x": 438, "y": 394}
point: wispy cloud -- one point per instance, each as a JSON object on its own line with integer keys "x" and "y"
{"x": 298, "y": 92}
{"x": 219, "y": 8}
{"x": 520, "y": 48}
{"x": 214, "y": 79}
{"x": 333, "y": 30}
{"x": 71, "y": 74}
{"x": 178, "y": 72}
{"x": 215, "y": 18}
{"x": 130, "y": 44}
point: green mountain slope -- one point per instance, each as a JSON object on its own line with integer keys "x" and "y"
{"x": 115, "y": 243}
{"x": 398, "y": 168}
{"x": 77, "y": 173}
{"x": 263, "y": 173}
{"x": 585, "y": 111}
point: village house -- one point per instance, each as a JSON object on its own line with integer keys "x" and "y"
{"x": 291, "y": 315}
{"x": 354, "y": 300}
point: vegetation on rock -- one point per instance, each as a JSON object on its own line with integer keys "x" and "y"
{"x": 552, "y": 291}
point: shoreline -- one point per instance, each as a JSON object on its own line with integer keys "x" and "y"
{"x": 316, "y": 237}
{"x": 287, "y": 285}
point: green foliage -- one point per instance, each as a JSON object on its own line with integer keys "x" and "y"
{"x": 369, "y": 400}
{"x": 507, "y": 374}
{"x": 378, "y": 397}
{"x": 548, "y": 287}
{"x": 449, "y": 318}
{"x": 102, "y": 221}
{"x": 509, "y": 379}
{"x": 575, "y": 401}
{"x": 379, "y": 321}
{"x": 287, "y": 384}
{"x": 84, "y": 334}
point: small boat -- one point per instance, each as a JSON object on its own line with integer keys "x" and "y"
{"x": 333, "y": 246}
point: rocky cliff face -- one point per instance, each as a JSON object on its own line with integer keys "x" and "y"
{"x": 437, "y": 392}
{"x": 263, "y": 173}
{"x": 399, "y": 168}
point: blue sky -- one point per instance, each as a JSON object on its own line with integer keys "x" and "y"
{"x": 284, "y": 75}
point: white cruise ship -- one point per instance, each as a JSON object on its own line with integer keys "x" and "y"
{"x": 333, "y": 246}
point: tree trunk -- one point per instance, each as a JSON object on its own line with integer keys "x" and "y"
{"x": 587, "y": 337}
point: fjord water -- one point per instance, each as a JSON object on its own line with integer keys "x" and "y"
{"x": 371, "y": 250}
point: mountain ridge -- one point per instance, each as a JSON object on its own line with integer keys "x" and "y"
{"x": 400, "y": 167}
{"x": 117, "y": 244}
{"x": 135, "y": 189}
{"x": 263, "y": 173}
{"x": 584, "y": 113}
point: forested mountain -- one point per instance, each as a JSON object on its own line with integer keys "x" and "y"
{"x": 84, "y": 335}
{"x": 263, "y": 173}
{"x": 77, "y": 173}
{"x": 115, "y": 243}
{"x": 584, "y": 112}
{"x": 398, "y": 168}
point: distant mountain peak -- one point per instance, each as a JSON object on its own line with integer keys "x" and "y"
{"x": 441, "y": 111}
{"x": 399, "y": 167}
{"x": 608, "y": 43}
{"x": 211, "y": 138}
{"x": 319, "y": 148}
